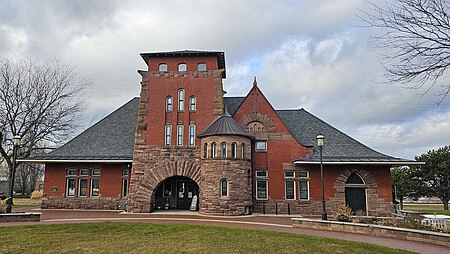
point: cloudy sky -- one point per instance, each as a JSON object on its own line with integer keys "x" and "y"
{"x": 305, "y": 54}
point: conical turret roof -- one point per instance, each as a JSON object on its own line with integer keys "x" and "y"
{"x": 224, "y": 125}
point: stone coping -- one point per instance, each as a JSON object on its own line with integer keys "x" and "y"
{"x": 20, "y": 217}
{"x": 373, "y": 229}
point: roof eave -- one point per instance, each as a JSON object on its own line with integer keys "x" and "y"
{"x": 43, "y": 161}
{"x": 391, "y": 163}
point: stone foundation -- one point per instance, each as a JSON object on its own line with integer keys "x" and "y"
{"x": 99, "y": 203}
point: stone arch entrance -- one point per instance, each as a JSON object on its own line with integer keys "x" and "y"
{"x": 176, "y": 192}
{"x": 145, "y": 182}
{"x": 355, "y": 194}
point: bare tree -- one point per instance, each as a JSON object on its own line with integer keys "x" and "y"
{"x": 417, "y": 33}
{"x": 39, "y": 101}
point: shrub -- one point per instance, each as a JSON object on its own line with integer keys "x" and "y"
{"x": 343, "y": 213}
{"x": 36, "y": 194}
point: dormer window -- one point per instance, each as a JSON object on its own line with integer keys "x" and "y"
{"x": 201, "y": 67}
{"x": 182, "y": 67}
{"x": 162, "y": 67}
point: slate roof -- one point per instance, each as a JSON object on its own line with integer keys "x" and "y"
{"x": 112, "y": 138}
{"x": 224, "y": 125}
{"x": 220, "y": 56}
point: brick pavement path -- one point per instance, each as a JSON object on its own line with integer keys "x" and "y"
{"x": 263, "y": 222}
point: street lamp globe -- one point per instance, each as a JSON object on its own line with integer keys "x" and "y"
{"x": 320, "y": 140}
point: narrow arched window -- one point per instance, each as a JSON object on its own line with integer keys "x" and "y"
{"x": 201, "y": 67}
{"x": 192, "y": 104}
{"x": 162, "y": 67}
{"x": 182, "y": 67}
{"x": 169, "y": 104}
{"x": 242, "y": 150}
{"x": 233, "y": 150}
{"x": 181, "y": 100}
{"x": 213, "y": 150}
{"x": 205, "y": 150}
{"x": 224, "y": 150}
{"x": 191, "y": 135}
{"x": 168, "y": 132}
{"x": 223, "y": 188}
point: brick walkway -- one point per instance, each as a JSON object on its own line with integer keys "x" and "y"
{"x": 263, "y": 222}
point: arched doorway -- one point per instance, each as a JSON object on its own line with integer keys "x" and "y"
{"x": 175, "y": 193}
{"x": 355, "y": 194}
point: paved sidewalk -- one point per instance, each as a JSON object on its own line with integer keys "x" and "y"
{"x": 263, "y": 222}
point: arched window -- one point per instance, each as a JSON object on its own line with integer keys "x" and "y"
{"x": 180, "y": 130}
{"x": 224, "y": 150}
{"x": 233, "y": 150}
{"x": 192, "y": 103}
{"x": 223, "y": 188}
{"x": 168, "y": 133}
{"x": 213, "y": 150}
{"x": 169, "y": 104}
{"x": 162, "y": 67}
{"x": 182, "y": 67}
{"x": 201, "y": 67}
{"x": 242, "y": 150}
{"x": 181, "y": 100}
{"x": 191, "y": 135}
{"x": 205, "y": 150}
{"x": 354, "y": 178}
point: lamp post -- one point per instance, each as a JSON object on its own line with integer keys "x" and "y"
{"x": 320, "y": 138}
{"x": 16, "y": 144}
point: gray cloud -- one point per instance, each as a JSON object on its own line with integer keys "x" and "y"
{"x": 311, "y": 54}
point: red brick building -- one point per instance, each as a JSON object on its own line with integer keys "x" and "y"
{"x": 182, "y": 140}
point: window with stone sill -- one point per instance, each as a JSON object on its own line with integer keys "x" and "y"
{"x": 261, "y": 189}
{"x": 205, "y": 150}
{"x": 162, "y": 67}
{"x": 181, "y": 100}
{"x": 261, "y": 146}
{"x": 84, "y": 184}
{"x": 224, "y": 150}
{"x": 233, "y": 150}
{"x": 201, "y": 67}
{"x": 192, "y": 104}
{"x": 182, "y": 67}
{"x": 289, "y": 185}
{"x": 213, "y": 150}
{"x": 169, "y": 104}
{"x": 242, "y": 150}
{"x": 168, "y": 133}
{"x": 192, "y": 135}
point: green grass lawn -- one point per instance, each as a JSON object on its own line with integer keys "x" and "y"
{"x": 167, "y": 238}
{"x": 427, "y": 208}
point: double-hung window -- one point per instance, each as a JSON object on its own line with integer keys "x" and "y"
{"x": 303, "y": 185}
{"x": 180, "y": 135}
{"x": 289, "y": 185}
{"x": 261, "y": 184}
{"x": 181, "y": 100}
{"x": 191, "y": 135}
{"x": 168, "y": 132}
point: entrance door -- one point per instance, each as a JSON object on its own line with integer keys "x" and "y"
{"x": 356, "y": 199}
{"x": 185, "y": 192}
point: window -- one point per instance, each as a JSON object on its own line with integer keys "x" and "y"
{"x": 242, "y": 150}
{"x": 95, "y": 172}
{"x": 70, "y": 187}
{"x": 191, "y": 135}
{"x": 168, "y": 133}
{"x": 180, "y": 135}
{"x": 205, "y": 150}
{"x": 192, "y": 104}
{"x": 82, "y": 187}
{"x": 201, "y": 67}
{"x": 233, "y": 150}
{"x": 354, "y": 178}
{"x": 71, "y": 172}
{"x": 224, "y": 150}
{"x": 303, "y": 185}
{"x": 125, "y": 173}
{"x": 181, "y": 100}
{"x": 261, "y": 173}
{"x": 261, "y": 189}
{"x": 169, "y": 104}
{"x": 95, "y": 187}
{"x": 182, "y": 67}
{"x": 162, "y": 67}
{"x": 261, "y": 146}
{"x": 213, "y": 150}
{"x": 167, "y": 188}
{"x": 224, "y": 188}
{"x": 289, "y": 184}
{"x": 84, "y": 172}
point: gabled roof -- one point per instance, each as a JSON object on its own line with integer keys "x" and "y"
{"x": 219, "y": 54}
{"x": 224, "y": 125}
{"x": 111, "y": 139}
